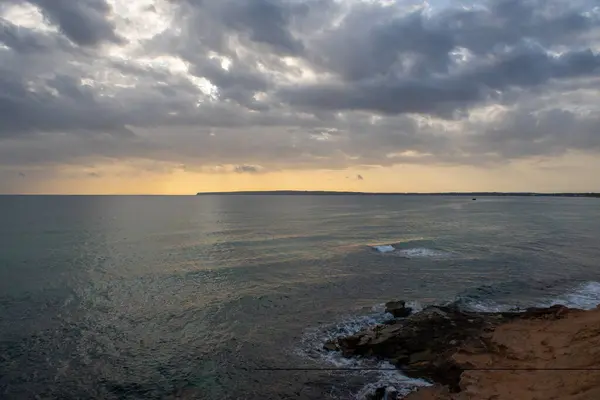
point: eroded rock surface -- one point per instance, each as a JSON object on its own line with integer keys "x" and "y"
{"x": 502, "y": 356}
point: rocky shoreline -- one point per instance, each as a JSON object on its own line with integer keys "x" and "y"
{"x": 539, "y": 353}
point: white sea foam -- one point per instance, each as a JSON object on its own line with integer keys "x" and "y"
{"x": 486, "y": 306}
{"x": 586, "y": 296}
{"x": 392, "y": 379}
{"x": 312, "y": 348}
{"x": 386, "y": 248}
{"x": 422, "y": 252}
{"x": 313, "y": 339}
{"x": 417, "y": 252}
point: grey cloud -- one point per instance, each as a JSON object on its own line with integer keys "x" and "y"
{"x": 247, "y": 169}
{"x": 359, "y": 177}
{"x": 265, "y": 21}
{"x": 85, "y": 22}
{"x": 387, "y": 85}
{"x": 24, "y": 40}
{"x": 404, "y": 64}
{"x": 524, "y": 133}
{"x": 443, "y": 96}
{"x": 370, "y": 42}
{"x": 510, "y": 22}
{"x": 64, "y": 105}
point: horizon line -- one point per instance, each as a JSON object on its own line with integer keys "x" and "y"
{"x": 308, "y": 192}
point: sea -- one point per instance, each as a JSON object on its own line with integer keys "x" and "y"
{"x": 232, "y": 296}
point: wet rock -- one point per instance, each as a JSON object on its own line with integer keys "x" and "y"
{"x": 379, "y": 394}
{"x": 423, "y": 344}
{"x": 553, "y": 312}
{"x": 398, "y": 309}
{"x": 422, "y": 356}
{"x": 331, "y": 346}
{"x": 385, "y": 393}
{"x": 391, "y": 394}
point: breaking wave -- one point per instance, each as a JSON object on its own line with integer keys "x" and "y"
{"x": 386, "y": 248}
{"x": 415, "y": 252}
{"x": 421, "y": 252}
{"x": 311, "y": 347}
{"x": 585, "y": 296}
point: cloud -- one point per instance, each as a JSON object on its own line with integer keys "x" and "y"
{"x": 247, "y": 169}
{"x": 359, "y": 177}
{"x": 85, "y": 22}
{"x": 304, "y": 84}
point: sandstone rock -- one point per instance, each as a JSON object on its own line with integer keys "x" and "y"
{"x": 425, "y": 344}
{"x": 422, "y": 343}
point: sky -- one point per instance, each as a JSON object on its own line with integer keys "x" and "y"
{"x": 182, "y": 96}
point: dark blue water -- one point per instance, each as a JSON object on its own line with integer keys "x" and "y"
{"x": 182, "y": 297}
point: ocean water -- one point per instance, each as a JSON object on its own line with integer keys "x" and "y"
{"x": 192, "y": 297}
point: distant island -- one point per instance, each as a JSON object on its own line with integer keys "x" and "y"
{"x": 334, "y": 193}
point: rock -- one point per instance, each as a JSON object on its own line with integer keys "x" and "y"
{"x": 421, "y": 343}
{"x": 391, "y": 393}
{"x": 331, "y": 346}
{"x": 553, "y": 312}
{"x": 441, "y": 342}
{"x": 423, "y": 356}
{"x": 379, "y": 394}
{"x": 385, "y": 393}
{"x": 398, "y": 309}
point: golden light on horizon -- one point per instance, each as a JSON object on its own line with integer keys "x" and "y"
{"x": 129, "y": 178}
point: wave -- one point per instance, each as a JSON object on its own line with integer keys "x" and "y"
{"x": 586, "y": 296}
{"x": 391, "y": 379}
{"x": 313, "y": 339}
{"x": 422, "y": 252}
{"x": 311, "y": 347}
{"x": 583, "y": 296}
{"x": 386, "y": 248}
{"x": 415, "y": 252}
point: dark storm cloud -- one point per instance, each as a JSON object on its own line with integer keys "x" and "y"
{"x": 300, "y": 83}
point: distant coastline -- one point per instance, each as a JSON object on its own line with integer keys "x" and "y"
{"x": 334, "y": 193}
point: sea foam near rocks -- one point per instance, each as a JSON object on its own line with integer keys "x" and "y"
{"x": 585, "y": 296}
{"x": 378, "y": 373}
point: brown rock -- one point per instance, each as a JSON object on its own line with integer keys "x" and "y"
{"x": 541, "y": 353}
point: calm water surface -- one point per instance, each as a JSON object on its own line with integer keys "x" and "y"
{"x": 182, "y": 297}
